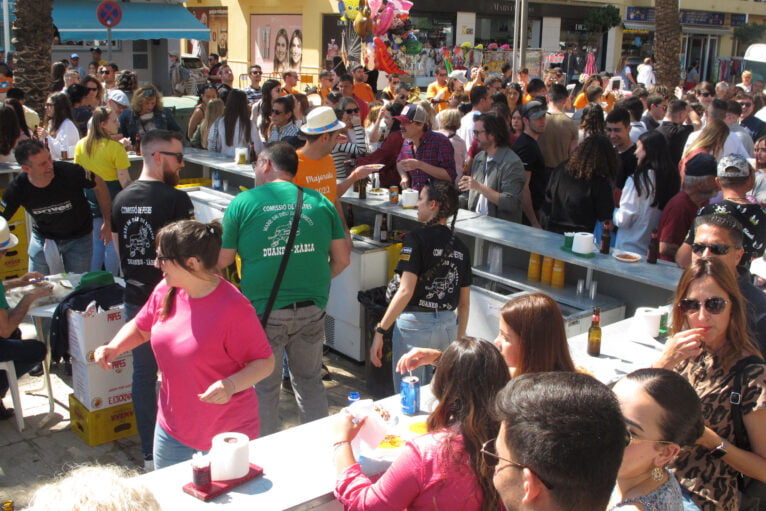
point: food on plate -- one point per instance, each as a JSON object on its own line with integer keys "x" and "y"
{"x": 391, "y": 442}
{"x": 384, "y": 414}
{"x": 628, "y": 257}
{"x": 419, "y": 428}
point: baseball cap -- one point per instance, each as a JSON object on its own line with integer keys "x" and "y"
{"x": 96, "y": 48}
{"x": 702, "y": 164}
{"x": 74, "y": 56}
{"x": 412, "y": 113}
{"x": 118, "y": 97}
{"x": 458, "y": 75}
{"x": 533, "y": 110}
{"x": 733, "y": 165}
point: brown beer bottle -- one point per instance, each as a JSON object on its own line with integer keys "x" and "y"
{"x": 654, "y": 248}
{"x": 138, "y": 145}
{"x": 594, "y": 333}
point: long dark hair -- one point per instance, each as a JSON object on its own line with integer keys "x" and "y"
{"x": 234, "y": 112}
{"x": 667, "y": 180}
{"x": 19, "y": 109}
{"x": 536, "y": 318}
{"x": 9, "y": 129}
{"x": 62, "y": 110}
{"x": 266, "y": 89}
{"x": 446, "y": 195}
{"x": 593, "y": 157}
{"x": 184, "y": 239}
{"x": 471, "y": 372}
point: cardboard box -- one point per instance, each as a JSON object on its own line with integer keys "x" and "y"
{"x": 88, "y": 332}
{"x": 97, "y": 388}
{"x": 101, "y": 426}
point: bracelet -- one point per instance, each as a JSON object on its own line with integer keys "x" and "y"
{"x": 338, "y": 444}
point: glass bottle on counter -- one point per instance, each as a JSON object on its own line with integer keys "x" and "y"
{"x": 654, "y": 248}
{"x": 606, "y": 240}
{"x": 138, "y": 145}
{"x": 350, "y": 217}
{"x": 594, "y": 333}
{"x": 363, "y": 188}
{"x": 384, "y": 230}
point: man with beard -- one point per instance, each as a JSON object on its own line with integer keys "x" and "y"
{"x": 138, "y": 212}
{"x": 527, "y": 148}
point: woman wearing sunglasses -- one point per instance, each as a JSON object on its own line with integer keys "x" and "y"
{"x": 442, "y": 469}
{"x": 146, "y": 113}
{"x": 663, "y": 415}
{"x": 209, "y": 344}
{"x": 351, "y": 144}
{"x": 711, "y": 337}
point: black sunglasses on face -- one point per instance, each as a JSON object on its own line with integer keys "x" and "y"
{"x": 104, "y": 72}
{"x": 714, "y": 305}
{"x": 351, "y": 111}
{"x": 746, "y": 105}
{"x": 256, "y": 72}
{"x": 704, "y": 94}
{"x": 92, "y": 88}
{"x": 179, "y": 157}
{"x": 715, "y": 248}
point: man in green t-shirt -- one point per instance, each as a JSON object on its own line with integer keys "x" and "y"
{"x": 256, "y": 226}
{"x": 24, "y": 354}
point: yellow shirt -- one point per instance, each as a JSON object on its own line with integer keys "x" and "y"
{"x": 433, "y": 89}
{"x": 107, "y": 157}
{"x": 318, "y": 175}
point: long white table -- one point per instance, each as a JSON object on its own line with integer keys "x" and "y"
{"x": 298, "y": 471}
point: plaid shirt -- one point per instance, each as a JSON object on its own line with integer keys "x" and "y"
{"x": 434, "y": 149}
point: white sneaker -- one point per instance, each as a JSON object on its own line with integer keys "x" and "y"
{"x": 148, "y": 466}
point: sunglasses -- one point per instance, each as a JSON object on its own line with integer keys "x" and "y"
{"x": 256, "y": 72}
{"x": 714, "y": 305}
{"x": 351, "y": 111}
{"x": 276, "y": 112}
{"x": 92, "y": 88}
{"x": 149, "y": 92}
{"x": 104, "y": 72}
{"x": 402, "y": 97}
{"x": 179, "y": 159}
{"x": 442, "y": 74}
{"x": 746, "y": 105}
{"x": 718, "y": 249}
{"x": 491, "y": 459}
{"x": 704, "y": 94}
{"x": 632, "y": 439}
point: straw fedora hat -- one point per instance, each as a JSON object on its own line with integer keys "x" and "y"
{"x": 7, "y": 240}
{"x": 322, "y": 120}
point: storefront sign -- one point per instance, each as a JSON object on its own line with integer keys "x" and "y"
{"x": 738, "y": 20}
{"x": 702, "y": 18}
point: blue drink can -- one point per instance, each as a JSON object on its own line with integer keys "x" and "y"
{"x": 409, "y": 389}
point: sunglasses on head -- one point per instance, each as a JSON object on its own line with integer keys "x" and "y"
{"x": 149, "y": 92}
{"x": 714, "y": 305}
{"x": 715, "y": 248}
{"x": 179, "y": 156}
{"x": 351, "y": 111}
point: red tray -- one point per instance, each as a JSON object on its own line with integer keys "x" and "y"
{"x": 220, "y": 487}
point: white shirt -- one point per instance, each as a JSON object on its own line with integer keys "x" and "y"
{"x": 636, "y": 218}
{"x": 465, "y": 131}
{"x": 733, "y": 145}
{"x": 645, "y": 75}
{"x": 66, "y": 138}
{"x": 216, "y": 139}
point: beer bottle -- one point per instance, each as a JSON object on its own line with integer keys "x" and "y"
{"x": 253, "y": 154}
{"x": 138, "y": 145}
{"x": 606, "y": 240}
{"x": 363, "y": 188}
{"x": 350, "y": 217}
{"x": 594, "y": 333}
{"x": 654, "y": 248}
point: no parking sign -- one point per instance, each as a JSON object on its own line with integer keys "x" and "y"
{"x": 109, "y": 13}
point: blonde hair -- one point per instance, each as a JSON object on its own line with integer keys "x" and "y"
{"x": 143, "y": 95}
{"x": 711, "y": 139}
{"x": 96, "y": 131}
{"x": 96, "y": 488}
{"x": 373, "y": 115}
{"x": 213, "y": 112}
{"x": 449, "y": 119}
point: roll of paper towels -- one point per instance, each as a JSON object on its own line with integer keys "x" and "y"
{"x": 229, "y": 456}
{"x": 583, "y": 243}
{"x": 409, "y": 198}
{"x": 646, "y": 321}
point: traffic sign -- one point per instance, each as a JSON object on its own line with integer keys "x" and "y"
{"x": 109, "y": 13}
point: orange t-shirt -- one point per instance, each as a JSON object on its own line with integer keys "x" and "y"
{"x": 433, "y": 89}
{"x": 364, "y": 92}
{"x": 318, "y": 175}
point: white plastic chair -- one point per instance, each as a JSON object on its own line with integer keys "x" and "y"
{"x": 13, "y": 384}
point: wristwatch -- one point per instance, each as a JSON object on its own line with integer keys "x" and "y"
{"x": 382, "y": 330}
{"x": 721, "y": 450}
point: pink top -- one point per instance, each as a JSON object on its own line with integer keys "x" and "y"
{"x": 425, "y": 476}
{"x": 204, "y": 340}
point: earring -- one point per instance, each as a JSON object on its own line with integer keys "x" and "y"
{"x": 657, "y": 473}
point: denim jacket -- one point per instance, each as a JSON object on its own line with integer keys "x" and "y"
{"x": 130, "y": 123}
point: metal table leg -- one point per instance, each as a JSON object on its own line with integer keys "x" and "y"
{"x": 46, "y": 370}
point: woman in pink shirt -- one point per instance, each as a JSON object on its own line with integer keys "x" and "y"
{"x": 442, "y": 469}
{"x": 209, "y": 345}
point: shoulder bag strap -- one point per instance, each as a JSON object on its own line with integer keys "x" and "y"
{"x": 285, "y": 257}
{"x": 740, "y": 433}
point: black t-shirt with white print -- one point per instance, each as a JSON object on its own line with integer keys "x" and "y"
{"x": 424, "y": 248}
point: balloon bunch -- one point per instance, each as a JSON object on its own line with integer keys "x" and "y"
{"x": 377, "y": 20}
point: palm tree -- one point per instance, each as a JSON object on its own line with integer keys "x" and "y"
{"x": 33, "y": 39}
{"x": 667, "y": 43}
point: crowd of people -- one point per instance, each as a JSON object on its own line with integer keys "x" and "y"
{"x": 602, "y": 158}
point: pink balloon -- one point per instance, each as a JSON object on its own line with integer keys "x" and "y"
{"x": 384, "y": 19}
{"x": 374, "y": 6}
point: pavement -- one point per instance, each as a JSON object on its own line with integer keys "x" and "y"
{"x": 43, "y": 452}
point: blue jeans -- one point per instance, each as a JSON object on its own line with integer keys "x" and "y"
{"x": 169, "y": 451}
{"x": 105, "y": 256}
{"x": 300, "y": 333}
{"x": 434, "y": 330}
{"x": 144, "y": 388}
{"x": 76, "y": 254}
{"x": 25, "y": 355}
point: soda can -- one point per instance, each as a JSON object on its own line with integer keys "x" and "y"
{"x": 393, "y": 194}
{"x": 409, "y": 389}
